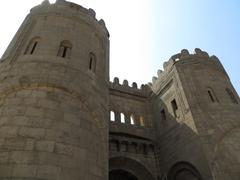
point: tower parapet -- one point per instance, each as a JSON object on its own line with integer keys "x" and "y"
{"x": 144, "y": 89}
{"x": 184, "y": 57}
{"x": 69, "y": 15}
{"x": 72, "y": 9}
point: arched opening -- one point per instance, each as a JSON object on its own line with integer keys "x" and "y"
{"x": 184, "y": 171}
{"x": 124, "y": 168}
{"x": 122, "y": 118}
{"x": 112, "y": 116}
{"x": 185, "y": 174}
{"x": 64, "y": 50}
{"x": 132, "y": 120}
{"x": 141, "y": 119}
{"x": 121, "y": 175}
{"x": 32, "y": 45}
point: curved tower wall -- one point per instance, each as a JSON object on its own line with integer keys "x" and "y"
{"x": 54, "y": 101}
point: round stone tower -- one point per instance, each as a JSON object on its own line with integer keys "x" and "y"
{"x": 54, "y": 96}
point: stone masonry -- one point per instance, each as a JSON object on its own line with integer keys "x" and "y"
{"x": 62, "y": 119}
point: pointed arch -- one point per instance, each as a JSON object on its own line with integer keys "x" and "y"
{"x": 122, "y": 118}
{"x": 65, "y": 49}
{"x": 132, "y": 120}
{"x": 135, "y": 167}
{"x": 32, "y": 45}
{"x": 141, "y": 120}
{"x": 112, "y": 116}
{"x": 184, "y": 169}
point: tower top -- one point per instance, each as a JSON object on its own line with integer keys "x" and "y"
{"x": 72, "y": 9}
{"x": 183, "y": 57}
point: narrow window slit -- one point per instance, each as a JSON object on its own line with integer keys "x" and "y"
{"x": 211, "y": 96}
{"x": 174, "y": 107}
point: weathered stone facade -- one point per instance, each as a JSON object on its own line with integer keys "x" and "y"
{"x": 61, "y": 118}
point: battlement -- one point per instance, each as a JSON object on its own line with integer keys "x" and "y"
{"x": 144, "y": 89}
{"x": 183, "y": 55}
{"x": 74, "y": 8}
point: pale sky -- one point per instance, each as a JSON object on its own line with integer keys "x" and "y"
{"x": 145, "y": 33}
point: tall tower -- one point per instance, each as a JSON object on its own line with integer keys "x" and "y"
{"x": 197, "y": 115}
{"x": 54, "y": 96}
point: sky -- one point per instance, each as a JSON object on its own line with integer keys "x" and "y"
{"x": 145, "y": 33}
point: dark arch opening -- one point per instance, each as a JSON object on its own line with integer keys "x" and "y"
{"x": 129, "y": 166}
{"x": 121, "y": 175}
{"x": 184, "y": 171}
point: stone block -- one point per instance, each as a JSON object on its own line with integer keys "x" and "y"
{"x": 22, "y": 157}
{"x": 44, "y": 145}
{"x": 49, "y": 172}
{"x": 25, "y": 171}
{"x": 29, "y": 144}
{"x": 61, "y": 148}
{"x": 36, "y": 133}
{"x": 34, "y": 111}
{"x": 5, "y": 171}
{"x": 4, "y": 157}
{"x": 8, "y": 131}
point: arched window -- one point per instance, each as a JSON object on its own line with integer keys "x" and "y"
{"x": 92, "y": 62}
{"x": 31, "y": 48}
{"x": 231, "y": 95}
{"x": 132, "y": 120}
{"x": 211, "y": 95}
{"x": 65, "y": 49}
{"x": 174, "y": 107}
{"x": 112, "y": 116}
{"x": 141, "y": 121}
{"x": 122, "y": 118}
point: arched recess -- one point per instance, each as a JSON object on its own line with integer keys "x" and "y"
{"x": 130, "y": 168}
{"x": 226, "y": 161}
{"x": 121, "y": 175}
{"x": 31, "y": 48}
{"x": 184, "y": 171}
{"x": 65, "y": 48}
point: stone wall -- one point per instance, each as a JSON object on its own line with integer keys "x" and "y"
{"x": 54, "y": 96}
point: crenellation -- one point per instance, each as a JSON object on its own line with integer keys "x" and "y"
{"x": 180, "y": 57}
{"x": 116, "y": 81}
{"x": 45, "y": 3}
{"x": 184, "y": 53}
{"x": 134, "y": 85}
{"x": 125, "y": 83}
{"x": 92, "y": 13}
{"x": 159, "y": 73}
{"x": 201, "y": 53}
{"x": 144, "y": 90}
{"x": 154, "y": 79}
{"x": 74, "y": 10}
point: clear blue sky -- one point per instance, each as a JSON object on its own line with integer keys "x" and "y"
{"x": 212, "y": 25}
